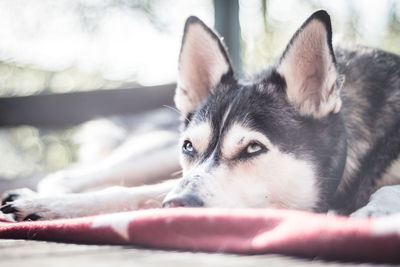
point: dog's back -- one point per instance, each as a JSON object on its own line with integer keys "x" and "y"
{"x": 371, "y": 108}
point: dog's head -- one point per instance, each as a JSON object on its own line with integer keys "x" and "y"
{"x": 274, "y": 142}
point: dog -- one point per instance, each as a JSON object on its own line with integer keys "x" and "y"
{"x": 318, "y": 130}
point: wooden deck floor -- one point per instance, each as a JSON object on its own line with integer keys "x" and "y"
{"x": 36, "y": 253}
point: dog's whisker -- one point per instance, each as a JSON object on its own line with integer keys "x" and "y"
{"x": 172, "y": 108}
{"x": 176, "y": 110}
{"x": 177, "y": 173}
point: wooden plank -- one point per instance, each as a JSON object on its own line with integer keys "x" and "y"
{"x": 43, "y": 254}
{"x": 62, "y": 110}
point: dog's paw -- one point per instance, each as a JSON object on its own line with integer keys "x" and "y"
{"x": 52, "y": 207}
{"x": 42, "y": 208}
{"x": 12, "y": 195}
{"x": 21, "y": 210}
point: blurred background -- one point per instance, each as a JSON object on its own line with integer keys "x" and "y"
{"x": 59, "y": 55}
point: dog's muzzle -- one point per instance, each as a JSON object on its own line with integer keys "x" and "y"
{"x": 185, "y": 200}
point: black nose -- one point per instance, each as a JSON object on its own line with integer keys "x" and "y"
{"x": 182, "y": 201}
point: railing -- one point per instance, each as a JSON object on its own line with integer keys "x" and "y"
{"x": 62, "y": 110}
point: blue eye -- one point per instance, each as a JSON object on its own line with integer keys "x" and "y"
{"x": 188, "y": 147}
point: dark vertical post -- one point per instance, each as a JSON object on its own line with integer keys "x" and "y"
{"x": 227, "y": 25}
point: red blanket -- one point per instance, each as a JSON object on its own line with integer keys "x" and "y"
{"x": 222, "y": 230}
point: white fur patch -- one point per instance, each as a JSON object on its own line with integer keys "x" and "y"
{"x": 201, "y": 66}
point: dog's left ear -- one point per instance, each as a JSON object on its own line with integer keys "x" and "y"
{"x": 203, "y": 63}
{"x": 309, "y": 68}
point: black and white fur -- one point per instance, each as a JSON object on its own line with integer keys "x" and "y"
{"x": 317, "y": 131}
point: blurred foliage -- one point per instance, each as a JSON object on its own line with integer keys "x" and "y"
{"x": 61, "y": 46}
{"x": 392, "y": 38}
{"x": 24, "y": 80}
{"x": 26, "y": 150}
{"x": 267, "y": 25}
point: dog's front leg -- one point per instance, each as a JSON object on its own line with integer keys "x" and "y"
{"x": 129, "y": 165}
{"x": 113, "y": 199}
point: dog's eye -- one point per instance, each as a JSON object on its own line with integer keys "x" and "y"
{"x": 187, "y": 147}
{"x": 253, "y": 148}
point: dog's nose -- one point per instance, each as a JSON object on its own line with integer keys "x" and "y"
{"x": 182, "y": 201}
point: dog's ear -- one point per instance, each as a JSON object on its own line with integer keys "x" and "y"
{"x": 309, "y": 68}
{"x": 203, "y": 63}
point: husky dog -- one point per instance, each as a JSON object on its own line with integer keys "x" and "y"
{"x": 317, "y": 131}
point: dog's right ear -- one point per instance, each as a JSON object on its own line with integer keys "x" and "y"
{"x": 203, "y": 63}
